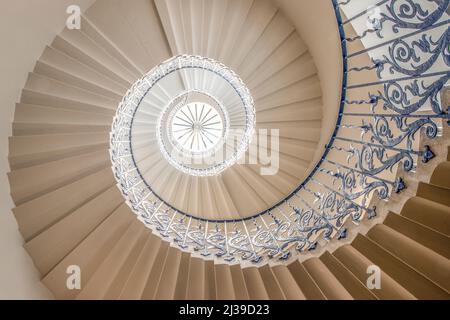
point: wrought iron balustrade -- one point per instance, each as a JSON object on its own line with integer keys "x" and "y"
{"x": 403, "y": 57}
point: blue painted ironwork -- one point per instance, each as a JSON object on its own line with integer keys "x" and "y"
{"x": 398, "y": 98}
{"x": 388, "y": 126}
{"x": 404, "y": 14}
{"x": 406, "y": 58}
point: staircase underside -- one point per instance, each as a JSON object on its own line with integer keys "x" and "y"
{"x": 70, "y": 211}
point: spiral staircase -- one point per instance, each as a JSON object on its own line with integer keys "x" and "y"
{"x": 373, "y": 189}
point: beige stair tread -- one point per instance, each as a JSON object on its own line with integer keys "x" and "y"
{"x": 358, "y": 264}
{"x": 255, "y": 284}
{"x": 429, "y": 238}
{"x": 328, "y": 283}
{"x": 434, "y": 193}
{"x": 432, "y": 265}
{"x": 304, "y": 280}
{"x": 429, "y": 213}
{"x": 352, "y": 284}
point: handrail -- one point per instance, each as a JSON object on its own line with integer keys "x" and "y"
{"x": 411, "y": 68}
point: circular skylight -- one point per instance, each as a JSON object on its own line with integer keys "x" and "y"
{"x": 201, "y": 112}
{"x": 197, "y": 127}
{"x": 207, "y": 127}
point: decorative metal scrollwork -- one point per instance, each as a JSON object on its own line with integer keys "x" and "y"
{"x": 381, "y": 130}
{"x": 352, "y": 170}
{"x": 398, "y": 98}
{"x": 418, "y": 57}
{"x": 410, "y": 14}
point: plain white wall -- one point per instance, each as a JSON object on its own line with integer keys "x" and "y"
{"x": 26, "y": 26}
